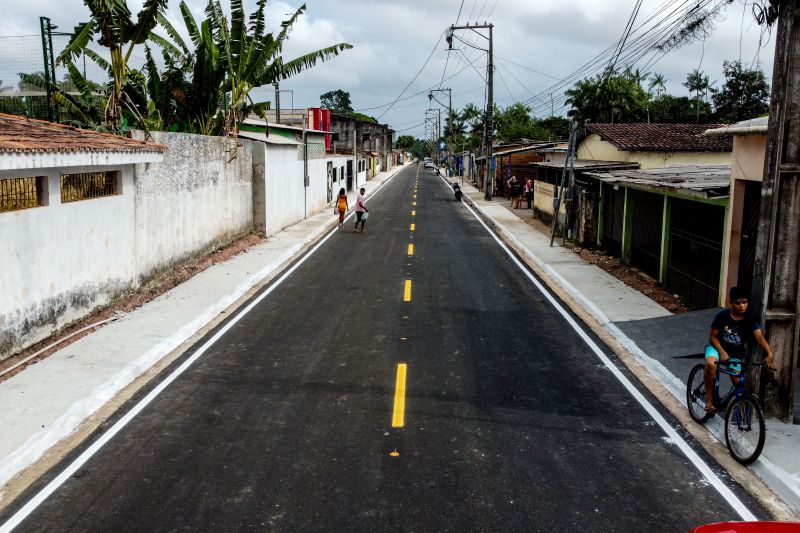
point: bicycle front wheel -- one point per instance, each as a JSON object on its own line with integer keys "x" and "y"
{"x": 696, "y": 394}
{"x": 744, "y": 429}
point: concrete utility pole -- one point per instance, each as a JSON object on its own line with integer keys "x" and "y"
{"x": 489, "y": 96}
{"x": 776, "y": 276}
{"x": 449, "y": 115}
{"x": 277, "y": 102}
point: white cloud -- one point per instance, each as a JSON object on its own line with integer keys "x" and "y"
{"x": 392, "y": 40}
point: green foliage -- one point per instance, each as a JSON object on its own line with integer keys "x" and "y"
{"x": 557, "y": 126}
{"x": 231, "y": 57}
{"x": 337, "y": 100}
{"x": 744, "y": 95}
{"x": 357, "y": 116}
{"x": 668, "y": 109}
{"x": 113, "y": 25}
{"x": 420, "y": 150}
{"x": 610, "y": 97}
{"x": 404, "y": 142}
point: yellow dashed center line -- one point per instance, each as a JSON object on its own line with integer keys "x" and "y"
{"x": 410, "y": 250}
{"x": 407, "y": 291}
{"x": 414, "y": 203}
{"x": 413, "y": 213}
{"x": 399, "y": 413}
{"x": 413, "y": 227}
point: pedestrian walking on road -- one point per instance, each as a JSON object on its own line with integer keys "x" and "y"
{"x": 361, "y": 211}
{"x": 341, "y": 206}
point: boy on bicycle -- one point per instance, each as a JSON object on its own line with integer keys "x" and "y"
{"x": 731, "y": 330}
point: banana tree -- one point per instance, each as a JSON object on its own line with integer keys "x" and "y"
{"x": 112, "y": 22}
{"x": 251, "y": 56}
{"x": 186, "y": 95}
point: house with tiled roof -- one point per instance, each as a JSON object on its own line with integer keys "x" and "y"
{"x": 655, "y": 145}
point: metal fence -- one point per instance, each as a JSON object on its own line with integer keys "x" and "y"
{"x": 84, "y": 186}
{"x": 26, "y": 55}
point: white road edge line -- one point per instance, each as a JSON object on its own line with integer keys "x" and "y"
{"x": 83, "y": 458}
{"x": 735, "y": 503}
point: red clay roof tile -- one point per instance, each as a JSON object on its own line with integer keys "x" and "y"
{"x": 20, "y": 134}
{"x": 661, "y": 137}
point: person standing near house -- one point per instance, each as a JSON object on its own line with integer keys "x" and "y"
{"x": 361, "y": 211}
{"x": 341, "y": 206}
{"x": 529, "y": 191}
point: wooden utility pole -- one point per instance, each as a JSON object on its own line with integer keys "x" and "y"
{"x": 776, "y": 274}
{"x": 489, "y": 96}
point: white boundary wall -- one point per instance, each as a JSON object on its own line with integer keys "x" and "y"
{"x": 60, "y": 262}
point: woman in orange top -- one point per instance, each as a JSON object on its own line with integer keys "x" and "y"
{"x": 341, "y": 206}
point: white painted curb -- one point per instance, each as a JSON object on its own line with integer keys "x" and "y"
{"x": 782, "y": 482}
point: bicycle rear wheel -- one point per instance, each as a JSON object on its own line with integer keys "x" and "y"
{"x": 744, "y": 429}
{"x": 696, "y": 394}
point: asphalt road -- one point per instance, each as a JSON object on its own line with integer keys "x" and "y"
{"x": 507, "y": 422}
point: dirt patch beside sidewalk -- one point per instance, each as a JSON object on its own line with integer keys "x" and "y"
{"x": 630, "y": 276}
{"x": 134, "y": 300}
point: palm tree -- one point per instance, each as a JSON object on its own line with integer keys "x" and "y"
{"x": 658, "y": 83}
{"x": 113, "y": 24}
{"x": 189, "y": 105}
{"x": 697, "y": 83}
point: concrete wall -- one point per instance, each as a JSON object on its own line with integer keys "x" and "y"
{"x": 594, "y": 148}
{"x": 61, "y": 261}
{"x": 196, "y": 199}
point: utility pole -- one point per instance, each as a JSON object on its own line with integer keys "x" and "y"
{"x": 567, "y": 181}
{"x": 277, "y": 102}
{"x": 776, "y": 275}
{"x": 489, "y": 96}
{"x": 46, "y": 29}
{"x": 449, "y": 119}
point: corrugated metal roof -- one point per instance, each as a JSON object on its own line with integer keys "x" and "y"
{"x": 754, "y": 126}
{"x": 20, "y": 134}
{"x": 709, "y": 181}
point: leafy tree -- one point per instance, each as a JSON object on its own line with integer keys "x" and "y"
{"x": 669, "y": 109}
{"x": 744, "y": 95}
{"x": 557, "y": 126}
{"x": 516, "y": 122}
{"x": 337, "y": 100}
{"x": 112, "y": 22}
{"x": 608, "y": 97}
{"x": 420, "y": 149}
{"x": 404, "y": 142}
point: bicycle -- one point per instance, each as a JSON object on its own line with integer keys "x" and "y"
{"x": 745, "y": 431}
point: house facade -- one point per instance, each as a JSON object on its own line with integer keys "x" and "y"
{"x": 747, "y": 172}
{"x": 654, "y": 145}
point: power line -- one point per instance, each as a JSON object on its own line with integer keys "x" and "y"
{"x": 415, "y": 76}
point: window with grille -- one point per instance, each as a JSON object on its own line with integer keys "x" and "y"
{"x": 22, "y": 193}
{"x": 88, "y": 185}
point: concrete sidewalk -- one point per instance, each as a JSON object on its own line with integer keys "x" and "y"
{"x": 666, "y": 345}
{"x": 45, "y": 403}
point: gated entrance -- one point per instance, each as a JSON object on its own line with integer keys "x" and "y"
{"x": 613, "y": 215}
{"x": 695, "y": 252}
{"x": 646, "y": 231}
{"x": 747, "y": 246}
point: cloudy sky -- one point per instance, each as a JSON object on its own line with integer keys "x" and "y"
{"x": 540, "y": 47}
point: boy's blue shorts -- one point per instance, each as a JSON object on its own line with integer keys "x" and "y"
{"x": 713, "y": 353}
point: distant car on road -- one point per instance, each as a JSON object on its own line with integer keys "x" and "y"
{"x": 429, "y": 164}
